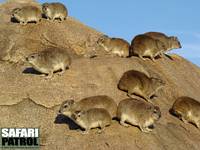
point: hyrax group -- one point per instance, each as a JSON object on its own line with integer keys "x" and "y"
{"x": 98, "y": 111}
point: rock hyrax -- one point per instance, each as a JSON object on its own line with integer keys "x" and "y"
{"x": 139, "y": 84}
{"x": 70, "y": 106}
{"x": 170, "y": 42}
{"x": 92, "y": 118}
{"x": 54, "y": 11}
{"x": 27, "y": 14}
{"x": 50, "y": 60}
{"x": 187, "y": 109}
{"x": 145, "y": 46}
{"x": 138, "y": 113}
{"x": 115, "y": 46}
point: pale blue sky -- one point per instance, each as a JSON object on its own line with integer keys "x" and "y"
{"x": 128, "y": 18}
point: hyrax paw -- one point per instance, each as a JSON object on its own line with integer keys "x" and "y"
{"x": 84, "y": 132}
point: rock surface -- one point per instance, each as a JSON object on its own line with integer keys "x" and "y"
{"x": 28, "y": 100}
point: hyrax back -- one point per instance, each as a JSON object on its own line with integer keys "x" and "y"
{"x": 92, "y": 118}
{"x": 138, "y": 113}
{"x": 54, "y": 11}
{"x": 170, "y": 42}
{"x": 187, "y": 109}
{"x": 101, "y": 101}
{"x": 139, "y": 84}
{"x": 50, "y": 60}
{"x": 27, "y": 14}
{"x": 115, "y": 46}
{"x": 145, "y": 46}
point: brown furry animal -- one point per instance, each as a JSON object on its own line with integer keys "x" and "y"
{"x": 50, "y": 60}
{"x": 138, "y": 113}
{"x": 137, "y": 83}
{"x": 115, "y": 46}
{"x": 101, "y": 101}
{"x": 92, "y": 118}
{"x": 145, "y": 46}
{"x": 187, "y": 109}
{"x": 170, "y": 42}
{"x": 54, "y": 11}
{"x": 27, "y": 14}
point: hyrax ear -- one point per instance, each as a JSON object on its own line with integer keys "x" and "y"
{"x": 156, "y": 109}
{"x": 174, "y": 38}
{"x": 71, "y": 102}
{"x": 103, "y": 37}
{"x": 15, "y": 10}
{"x": 106, "y": 36}
{"x": 77, "y": 112}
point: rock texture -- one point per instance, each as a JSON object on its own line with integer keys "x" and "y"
{"x": 28, "y": 100}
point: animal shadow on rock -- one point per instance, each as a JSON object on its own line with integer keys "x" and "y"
{"x": 31, "y": 70}
{"x": 168, "y": 56}
{"x": 13, "y": 20}
{"x": 62, "y": 119}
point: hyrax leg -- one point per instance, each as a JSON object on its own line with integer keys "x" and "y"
{"x": 138, "y": 93}
{"x": 63, "y": 68}
{"x": 184, "y": 120}
{"x": 54, "y": 18}
{"x": 198, "y": 124}
{"x": 37, "y": 21}
{"x": 152, "y": 57}
{"x": 62, "y": 18}
{"x": 144, "y": 129}
{"x": 23, "y": 23}
{"x": 123, "y": 120}
{"x": 49, "y": 75}
{"x": 162, "y": 54}
{"x": 148, "y": 129}
{"x": 140, "y": 56}
{"x": 101, "y": 129}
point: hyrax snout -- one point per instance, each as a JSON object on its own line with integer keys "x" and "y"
{"x": 54, "y": 11}
{"x": 138, "y": 113}
{"x": 114, "y": 46}
{"x": 187, "y": 109}
{"x": 136, "y": 83}
{"x": 92, "y": 118}
{"x": 50, "y": 60}
{"x": 27, "y": 14}
{"x": 170, "y": 42}
{"x": 101, "y": 101}
{"x": 145, "y": 46}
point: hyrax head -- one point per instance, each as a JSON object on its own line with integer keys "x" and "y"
{"x": 156, "y": 113}
{"x": 45, "y": 7}
{"x": 32, "y": 59}
{"x": 78, "y": 114}
{"x": 16, "y": 12}
{"x": 66, "y": 107}
{"x": 175, "y": 43}
{"x": 102, "y": 39}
